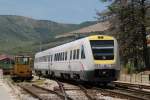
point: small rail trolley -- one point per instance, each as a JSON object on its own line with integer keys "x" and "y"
{"x": 22, "y": 68}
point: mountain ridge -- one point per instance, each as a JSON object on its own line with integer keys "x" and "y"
{"x": 19, "y": 32}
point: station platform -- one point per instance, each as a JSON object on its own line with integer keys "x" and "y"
{"x": 5, "y": 92}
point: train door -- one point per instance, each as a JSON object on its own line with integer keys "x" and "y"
{"x": 83, "y": 62}
{"x": 49, "y": 65}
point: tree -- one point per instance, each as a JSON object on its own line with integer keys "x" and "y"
{"x": 131, "y": 29}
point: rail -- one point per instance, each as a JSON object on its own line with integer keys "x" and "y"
{"x": 36, "y": 90}
{"x": 66, "y": 97}
{"x": 141, "y": 86}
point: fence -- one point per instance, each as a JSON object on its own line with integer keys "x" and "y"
{"x": 135, "y": 78}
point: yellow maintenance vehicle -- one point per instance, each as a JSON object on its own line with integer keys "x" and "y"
{"x": 22, "y": 69}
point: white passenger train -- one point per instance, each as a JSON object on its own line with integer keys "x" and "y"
{"x": 94, "y": 58}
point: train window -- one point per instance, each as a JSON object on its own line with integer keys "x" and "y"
{"x": 60, "y": 56}
{"x": 82, "y": 52}
{"x": 70, "y": 54}
{"x": 102, "y": 50}
{"x": 22, "y": 60}
{"x": 55, "y": 57}
{"x": 41, "y": 59}
{"x": 65, "y": 55}
{"x": 78, "y": 53}
{"x": 45, "y": 58}
{"x": 74, "y": 54}
{"x": 51, "y": 58}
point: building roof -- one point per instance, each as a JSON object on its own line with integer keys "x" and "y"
{"x": 2, "y": 57}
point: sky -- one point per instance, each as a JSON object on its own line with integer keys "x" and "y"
{"x": 65, "y": 11}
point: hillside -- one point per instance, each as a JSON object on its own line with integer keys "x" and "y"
{"x": 18, "y": 33}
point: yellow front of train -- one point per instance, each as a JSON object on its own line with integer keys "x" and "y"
{"x": 106, "y": 58}
{"x": 22, "y": 68}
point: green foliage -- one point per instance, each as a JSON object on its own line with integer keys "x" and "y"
{"x": 130, "y": 20}
{"x": 130, "y": 67}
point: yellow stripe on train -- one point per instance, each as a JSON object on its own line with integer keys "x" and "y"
{"x": 100, "y": 37}
{"x": 104, "y": 61}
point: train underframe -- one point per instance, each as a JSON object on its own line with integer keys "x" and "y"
{"x": 97, "y": 76}
{"x": 21, "y": 78}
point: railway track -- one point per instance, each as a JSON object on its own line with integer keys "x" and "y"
{"x": 124, "y": 92}
{"x": 128, "y": 91}
{"x": 136, "y": 91}
{"x": 74, "y": 91}
{"x": 140, "y": 86}
{"x": 78, "y": 91}
{"x": 42, "y": 93}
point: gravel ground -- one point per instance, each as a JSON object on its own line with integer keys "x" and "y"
{"x": 6, "y": 93}
{"x": 76, "y": 95}
{"x": 13, "y": 92}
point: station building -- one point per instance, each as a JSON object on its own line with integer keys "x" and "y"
{"x": 6, "y": 63}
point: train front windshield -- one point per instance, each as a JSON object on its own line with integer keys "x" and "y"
{"x": 22, "y": 60}
{"x": 102, "y": 49}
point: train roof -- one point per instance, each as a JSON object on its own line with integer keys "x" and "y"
{"x": 92, "y": 37}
